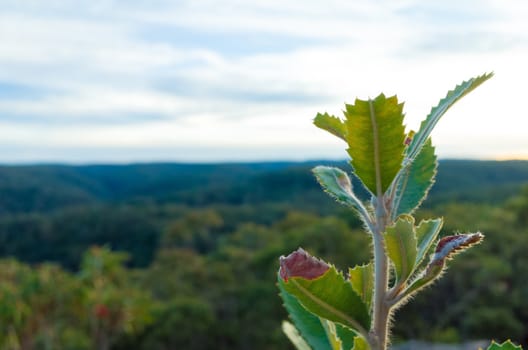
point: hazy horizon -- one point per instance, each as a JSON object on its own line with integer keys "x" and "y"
{"x": 109, "y": 81}
{"x": 221, "y": 162}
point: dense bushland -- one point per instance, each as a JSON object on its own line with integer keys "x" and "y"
{"x": 199, "y": 256}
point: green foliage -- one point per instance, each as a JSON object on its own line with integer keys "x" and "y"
{"x": 426, "y": 233}
{"x": 203, "y": 242}
{"x": 507, "y": 345}
{"x": 375, "y": 137}
{"x": 416, "y": 181}
{"x": 337, "y": 184}
{"x": 331, "y": 124}
{"x": 400, "y": 243}
{"x": 362, "y": 280}
{"x": 399, "y": 173}
{"x": 228, "y": 287}
{"x": 331, "y": 297}
{"x": 360, "y": 344}
{"x": 318, "y": 332}
{"x": 47, "y": 307}
{"x": 309, "y": 325}
{"x": 294, "y": 336}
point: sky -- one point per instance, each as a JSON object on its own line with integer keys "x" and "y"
{"x": 114, "y": 81}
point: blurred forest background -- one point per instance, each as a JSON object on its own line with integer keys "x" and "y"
{"x": 180, "y": 256}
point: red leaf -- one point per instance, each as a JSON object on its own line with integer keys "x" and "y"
{"x": 301, "y": 264}
{"x": 450, "y": 245}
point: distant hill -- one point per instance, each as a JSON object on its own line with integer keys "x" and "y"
{"x": 44, "y": 188}
{"x": 55, "y": 212}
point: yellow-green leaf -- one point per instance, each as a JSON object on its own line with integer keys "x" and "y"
{"x": 362, "y": 279}
{"x": 331, "y": 334}
{"x": 400, "y": 242}
{"x": 375, "y": 137}
{"x": 360, "y": 344}
{"x": 332, "y": 124}
{"x": 331, "y": 297}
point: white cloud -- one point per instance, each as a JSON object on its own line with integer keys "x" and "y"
{"x": 103, "y": 83}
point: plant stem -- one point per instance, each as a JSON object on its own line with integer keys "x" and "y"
{"x": 379, "y": 330}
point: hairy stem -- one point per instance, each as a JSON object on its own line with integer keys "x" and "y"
{"x": 379, "y": 330}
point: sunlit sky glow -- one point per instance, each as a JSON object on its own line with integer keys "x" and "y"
{"x": 124, "y": 81}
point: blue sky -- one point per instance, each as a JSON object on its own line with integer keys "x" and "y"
{"x": 124, "y": 81}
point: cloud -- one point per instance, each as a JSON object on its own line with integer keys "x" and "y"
{"x": 248, "y": 76}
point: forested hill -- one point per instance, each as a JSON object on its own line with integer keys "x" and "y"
{"x": 203, "y": 242}
{"x": 44, "y": 188}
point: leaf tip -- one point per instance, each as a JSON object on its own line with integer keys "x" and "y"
{"x": 507, "y": 345}
{"x": 450, "y": 245}
{"x": 301, "y": 264}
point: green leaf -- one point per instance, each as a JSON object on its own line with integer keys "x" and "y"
{"x": 331, "y": 334}
{"x": 437, "y": 112}
{"x": 308, "y": 324}
{"x": 426, "y": 234}
{"x": 400, "y": 242}
{"x": 331, "y": 297}
{"x": 337, "y": 184}
{"x": 375, "y": 137}
{"x": 360, "y": 344}
{"x": 507, "y": 345}
{"x": 362, "y": 279}
{"x": 312, "y": 330}
{"x": 293, "y": 334}
{"x": 415, "y": 181}
{"x": 426, "y": 277}
{"x": 346, "y": 335}
{"x": 332, "y": 124}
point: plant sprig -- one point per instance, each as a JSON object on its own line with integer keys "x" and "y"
{"x": 334, "y": 312}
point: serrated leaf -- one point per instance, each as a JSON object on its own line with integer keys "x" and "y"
{"x": 375, "y": 137}
{"x": 337, "y": 184}
{"x": 301, "y": 264}
{"x": 332, "y": 124}
{"x": 331, "y": 334}
{"x": 507, "y": 345}
{"x": 415, "y": 181}
{"x": 401, "y": 246}
{"x": 346, "y": 335}
{"x": 426, "y": 277}
{"x": 438, "y": 111}
{"x": 445, "y": 249}
{"x": 360, "y": 344}
{"x": 362, "y": 279}
{"x": 330, "y": 297}
{"x": 448, "y": 246}
{"x": 426, "y": 234}
{"x": 293, "y": 334}
{"x": 308, "y": 325}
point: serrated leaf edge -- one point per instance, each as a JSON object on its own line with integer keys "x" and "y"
{"x": 428, "y": 124}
